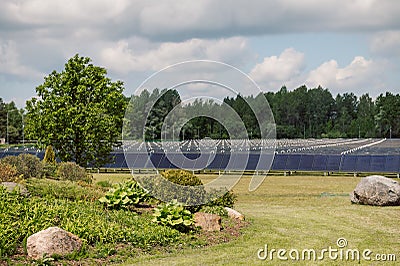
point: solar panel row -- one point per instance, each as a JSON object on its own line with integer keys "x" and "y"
{"x": 285, "y": 162}
{"x": 252, "y": 161}
{"x": 226, "y": 161}
{"x": 337, "y": 163}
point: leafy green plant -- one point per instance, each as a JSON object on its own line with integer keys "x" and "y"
{"x": 73, "y": 172}
{"x": 222, "y": 197}
{"x": 124, "y": 195}
{"x": 27, "y": 165}
{"x": 173, "y": 214}
{"x": 8, "y": 173}
{"x": 215, "y": 210}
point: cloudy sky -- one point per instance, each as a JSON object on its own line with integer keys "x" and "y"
{"x": 343, "y": 45}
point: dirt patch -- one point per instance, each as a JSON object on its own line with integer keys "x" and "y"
{"x": 231, "y": 229}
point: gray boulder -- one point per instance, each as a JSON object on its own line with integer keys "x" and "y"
{"x": 207, "y": 221}
{"x": 53, "y": 240}
{"x": 377, "y": 191}
{"x": 11, "y": 186}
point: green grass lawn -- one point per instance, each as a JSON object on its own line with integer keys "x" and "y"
{"x": 112, "y": 178}
{"x": 297, "y": 212}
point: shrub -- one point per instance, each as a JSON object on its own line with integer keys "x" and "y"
{"x": 49, "y": 163}
{"x": 73, "y": 172}
{"x": 222, "y": 197}
{"x": 50, "y": 170}
{"x": 173, "y": 214}
{"x": 8, "y": 173}
{"x": 27, "y": 165}
{"x": 124, "y": 195}
{"x": 49, "y": 155}
{"x": 161, "y": 188}
{"x": 182, "y": 177}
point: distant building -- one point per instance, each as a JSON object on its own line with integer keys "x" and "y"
{"x": 2, "y": 141}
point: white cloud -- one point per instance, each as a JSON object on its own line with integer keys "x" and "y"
{"x": 178, "y": 20}
{"x": 275, "y": 71}
{"x": 123, "y": 58}
{"x": 360, "y": 74}
{"x": 44, "y": 12}
{"x": 386, "y": 43}
{"x": 9, "y": 62}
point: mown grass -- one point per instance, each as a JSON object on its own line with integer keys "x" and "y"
{"x": 297, "y": 212}
{"x": 112, "y": 178}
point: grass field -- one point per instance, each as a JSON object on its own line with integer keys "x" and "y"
{"x": 296, "y": 213}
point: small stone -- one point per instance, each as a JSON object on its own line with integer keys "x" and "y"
{"x": 207, "y": 221}
{"x": 233, "y": 214}
{"x": 377, "y": 191}
{"x": 53, "y": 240}
{"x": 11, "y": 186}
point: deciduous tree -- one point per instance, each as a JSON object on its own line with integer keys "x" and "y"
{"x": 78, "y": 111}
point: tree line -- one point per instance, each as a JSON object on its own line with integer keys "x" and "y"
{"x": 315, "y": 113}
{"x": 301, "y": 113}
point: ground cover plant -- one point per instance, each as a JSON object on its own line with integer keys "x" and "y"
{"x": 23, "y": 216}
{"x": 125, "y": 195}
{"x": 173, "y": 214}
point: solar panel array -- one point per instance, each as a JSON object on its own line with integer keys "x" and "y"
{"x": 337, "y": 163}
{"x": 281, "y": 162}
{"x": 339, "y": 155}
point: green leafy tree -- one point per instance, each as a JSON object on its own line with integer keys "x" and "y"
{"x": 78, "y": 111}
{"x": 365, "y": 117}
{"x": 320, "y": 104}
{"x": 165, "y": 102}
{"x": 388, "y": 115}
{"x": 15, "y": 125}
{"x": 345, "y": 112}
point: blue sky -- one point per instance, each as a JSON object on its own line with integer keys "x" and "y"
{"x": 345, "y": 45}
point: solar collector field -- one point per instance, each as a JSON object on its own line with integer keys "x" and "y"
{"x": 328, "y": 155}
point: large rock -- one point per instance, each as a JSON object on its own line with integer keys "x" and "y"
{"x": 11, "y": 186}
{"x": 378, "y": 191}
{"x": 233, "y": 214}
{"x": 207, "y": 221}
{"x": 52, "y": 241}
